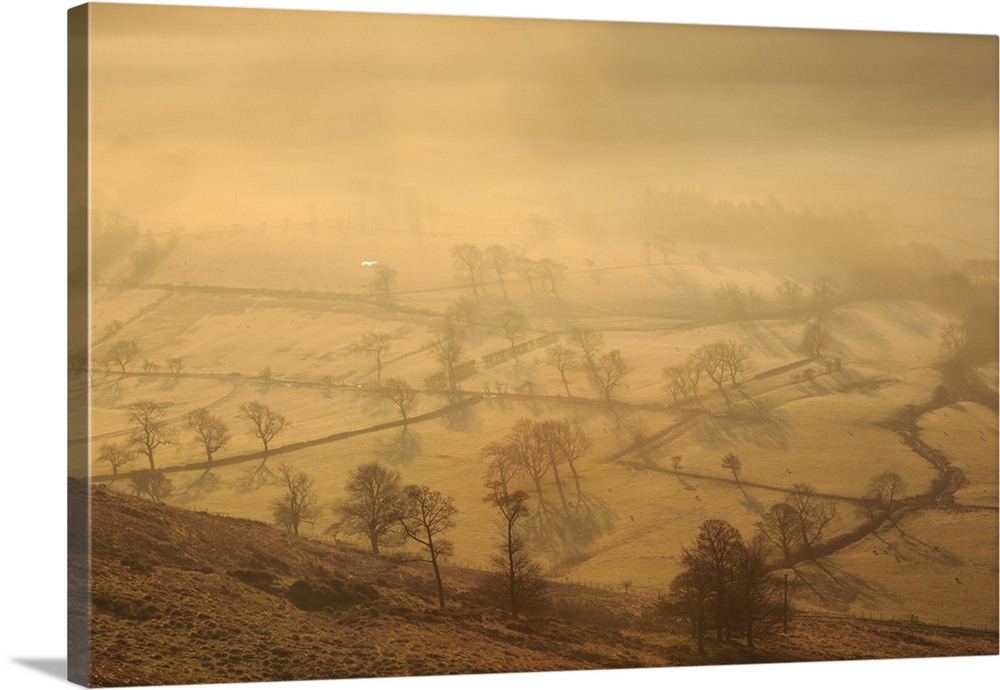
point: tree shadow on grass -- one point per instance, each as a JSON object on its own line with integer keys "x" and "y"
{"x": 837, "y": 589}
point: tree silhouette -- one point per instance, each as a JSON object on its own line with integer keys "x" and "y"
{"x": 149, "y": 428}
{"x": 516, "y": 575}
{"x": 371, "y": 506}
{"x": 210, "y": 431}
{"x": 266, "y": 424}
{"x": 424, "y": 515}
{"x": 122, "y": 352}
{"x": 297, "y": 503}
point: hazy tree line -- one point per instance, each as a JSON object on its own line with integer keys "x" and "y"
{"x": 382, "y": 510}
{"x": 150, "y": 431}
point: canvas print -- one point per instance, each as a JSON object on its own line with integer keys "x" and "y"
{"x": 425, "y": 345}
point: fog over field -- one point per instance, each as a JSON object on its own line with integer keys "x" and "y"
{"x": 747, "y": 270}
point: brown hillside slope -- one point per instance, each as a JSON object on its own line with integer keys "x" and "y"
{"x": 184, "y": 597}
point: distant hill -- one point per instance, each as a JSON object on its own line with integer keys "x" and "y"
{"x": 186, "y": 597}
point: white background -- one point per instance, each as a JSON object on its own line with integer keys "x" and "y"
{"x": 32, "y": 390}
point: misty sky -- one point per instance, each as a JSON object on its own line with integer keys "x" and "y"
{"x": 204, "y": 117}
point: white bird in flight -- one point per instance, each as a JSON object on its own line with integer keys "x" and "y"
{"x": 368, "y": 263}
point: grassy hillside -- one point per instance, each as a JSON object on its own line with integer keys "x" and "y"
{"x": 180, "y": 596}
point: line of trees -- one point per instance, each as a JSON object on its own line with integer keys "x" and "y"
{"x": 720, "y": 361}
{"x": 380, "y": 509}
{"x": 150, "y": 431}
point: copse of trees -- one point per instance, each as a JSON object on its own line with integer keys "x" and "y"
{"x": 719, "y": 361}
{"x": 725, "y": 584}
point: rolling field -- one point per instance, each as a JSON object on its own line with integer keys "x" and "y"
{"x": 270, "y": 328}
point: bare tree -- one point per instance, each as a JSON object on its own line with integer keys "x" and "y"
{"x": 448, "y": 347}
{"x": 375, "y": 344}
{"x": 954, "y": 339}
{"x": 468, "y": 258}
{"x": 371, "y": 506}
{"x": 569, "y": 443}
{"x": 737, "y": 360}
{"x": 780, "y": 525}
{"x": 755, "y": 588}
{"x": 531, "y": 454}
{"x": 499, "y": 258}
{"x": 149, "y": 428}
{"x": 710, "y": 358}
{"x": 611, "y": 372}
{"x": 883, "y": 490}
{"x": 733, "y": 463}
{"x": 209, "y": 430}
{"x": 812, "y": 513}
{"x": 116, "y": 456}
{"x": 562, "y": 359}
{"x": 266, "y": 424}
{"x": 815, "y": 337}
{"x": 589, "y": 343}
{"x": 677, "y": 380}
{"x": 175, "y": 364}
{"x": 297, "y": 503}
{"x": 515, "y": 574}
{"x": 424, "y": 515}
{"x": 791, "y": 293}
{"x": 513, "y": 325}
{"x": 551, "y": 272}
{"x": 122, "y": 352}
{"x": 503, "y": 464}
{"x": 401, "y": 395}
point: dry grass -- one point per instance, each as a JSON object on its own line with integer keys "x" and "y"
{"x": 183, "y": 597}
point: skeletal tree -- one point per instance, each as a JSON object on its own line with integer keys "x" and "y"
{"x": 371, "y": 506}
{"x": 499, "y": 258}
{"x": 503, "y": 462}
{"x": 755, "y": 587}
{"x": 736, "y": 359}
{"x": 121, "y": 352}
{"x": 713, "y": 562}
{"x": 551, "y": 273}
{"x": 297, "y": 503}
{"x": 569, "y": 443}
{"x": 116, "y": 456}
{"x": 266, "y": 424}
{"x": 711, "y": 359}
{"x": 954, "y": 339}
{"x": 815, "y": 336}
{"x": 611, "y": 371}
{"x": 781, "y": 526}
{"x": 513, "y": 325}
{"x": 733, "y": 463}
{"x": 531, "y": 453}
{"x": 823, "y": 293}
{"x": 882, "y": 492}
{"x": 515, "y": 574}
{"x": 149, "y": 428}
{"x": 210, "y": 430}
{"x": 562, "y": 359}
{"x": 375, "y": 344}
{"x": 791, "y": 293}
{"x": 812, "y": 513}
{"x": 448, "y": 347}
{"x": 589, "y": 343}
{"x": 401, "y": 395}
{"x": 424, "y": 515}
{"x": 677, "y": 380}
{"x": 468, "y": 258}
